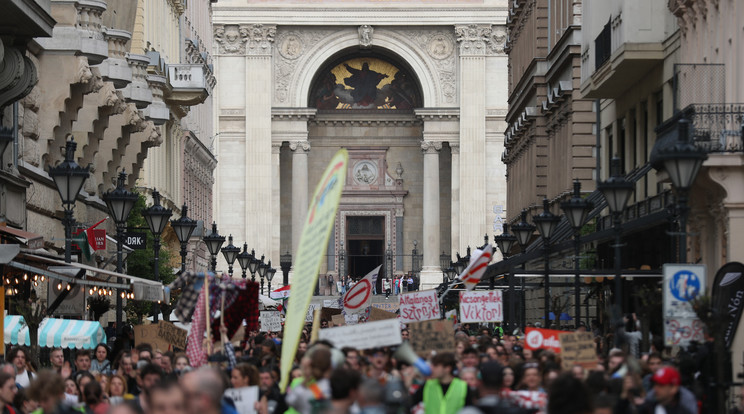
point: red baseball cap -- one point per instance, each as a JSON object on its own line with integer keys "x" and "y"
{"x": 666, "y": 376}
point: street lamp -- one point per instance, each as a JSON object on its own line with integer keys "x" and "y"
{"x": 460, "y": 265}
{"x": 183, "y": 227}
{"x": 120, "y": 202}
{"x": 157, "y": 218}
{"x": 445, "y": 263}
{"x": 523, "y": 231}
{"x": 68, "y": 177}
{"x": 617, "y": 190}
{"x": 244, "y": 259}
{"x": 270, "y": 275}
{"x": 214, "y": 241}
{"x": 682, "y": 161}
{"x": 253, "y": 265}
{"x": 231, "y": 253}
{"x": 576, "y": 211}
{"x": 505, "y": 242}
{"x": 414, "y": 257}
{"x": 262, "y": 268}
{"x": 285, "y": 262}
{"x": 546, "y": 223}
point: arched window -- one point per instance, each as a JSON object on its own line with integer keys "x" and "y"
{"x": 368, "y": 82}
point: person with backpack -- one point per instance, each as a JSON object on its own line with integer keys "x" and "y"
{"x": 18, "y": 357}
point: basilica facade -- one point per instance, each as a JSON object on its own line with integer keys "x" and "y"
{"x": 416, "y": 91}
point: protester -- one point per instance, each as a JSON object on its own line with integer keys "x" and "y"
{"x": 24, "y": 375}
{"x": 101, "y": 363}
{"x": 57, "y": 361}
{"x": 668, "y": 394}
{"x": 344, "y": 388}
{"x": 244, "y": 375}
{"x": 443, "y": 393}
{"x": 117, "y": 390}
{"x": 166, "y": 397}
{"x": 71, "y": 391}
{"x": 82, "y": 361}
{"x": 93, "y": 398}
{"x": 204, "y": 389}
{"x": 23, "y": 404}
{"x": 48, "y": 389}
{"x": 312, "y": 390}
{"x": 8, "y": 390}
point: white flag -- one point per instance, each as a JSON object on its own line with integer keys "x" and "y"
{"x": 359, "y": 297}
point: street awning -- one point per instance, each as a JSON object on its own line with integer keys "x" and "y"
{"x": 31, "y": 240}
{"x": 61, "y": 333}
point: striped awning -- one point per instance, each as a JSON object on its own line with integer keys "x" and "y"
{"x": 61, "y": 333}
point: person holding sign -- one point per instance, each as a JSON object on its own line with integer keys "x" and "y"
{"x": 443, "y": 393}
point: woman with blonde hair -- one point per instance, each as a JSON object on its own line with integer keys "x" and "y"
{"x": 117, "y": 390}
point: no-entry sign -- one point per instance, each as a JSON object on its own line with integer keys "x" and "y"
{"x": 357, "y": 296}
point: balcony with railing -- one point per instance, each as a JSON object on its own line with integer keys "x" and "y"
{"x": 619, "y": 53}
{"x": 191, "y": 83}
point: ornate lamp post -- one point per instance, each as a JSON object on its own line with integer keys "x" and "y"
{"x": 461, "y": 263}
{"x": 285, "y": 262}
{"x": 120, "y": 203}
{"x": 157, "y": 218}
{"x": 505, "y": 242}
{"x": 214, "y": 241}
{"x": 682, "y": 161}
{"x": 270, "y": 275}
{"x": 253, "y": 265}
{"x": 262, "y": 269}
{"x": 183, "y": 227}
{"x": 523, "y": 231}
{"x": 244, "y": 259}
{"x": 546, "y": 223}
{"x": 576, "y": 211}
{"x": 231, "y": 253}
{"x": 617, "y": 190}
{"x": 69, "y": 178}
{"x": 414, "y": 257}
{"x": 445, "y": 263}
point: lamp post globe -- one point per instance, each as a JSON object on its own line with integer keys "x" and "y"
{"x": 285, "y": 262}
{"x": 214, "y": 242}
{"x": 253, "y": 265}
{"x": 157, "y": 218}
{"x": 184, "y": 228}
{"x": 244, "y": 259}
{"x": 576, "y": 211}
{"x": 523, "y": 230}
{"x": 682, "y": 161}
{"x": 262, "y": 268}
{"x": 270, "y": 271}
{"x": 505, "y": 241}
{"x": 231, "y": 253}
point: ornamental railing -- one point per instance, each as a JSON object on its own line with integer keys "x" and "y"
{"x": 716, "y": 127}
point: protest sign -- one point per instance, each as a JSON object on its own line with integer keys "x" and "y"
{"x": 310, "y": 311}
{"x": 149, "y": 334}
{"x": 682, "y": 284}
{"x": 481, "y": 306}
{"x": 331, "y": 303}
{"x": 271, "y": 321}
{"x": 327, "y": 313}
{"x": 316, "y": 231}
{"x": 578, "y": 348}
{"x": 244, "y": 398}
{"x": 387, "y": 306}
{"x": 366, "y": 335}
{"x": 376, "y": 314}
{"x": 172, "y": 334}
{"x": 435, "y": 335}
{"x": 536, "y": 338}
{"x": 351, "y": 318}
{"x": 338, "y": 320}
{"x": 419, "y": 306}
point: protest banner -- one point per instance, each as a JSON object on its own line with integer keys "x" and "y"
{"x": 536, "y": 338}
{"x": 387, "y": 306}
{"x": 435, "y": 335}
{"x": 271, "y": 321}
{"x": 481, "y": 306}
{"x": 577, "y": 348}
{"x": 316, "y": 231}
{"x": 172, "y": 334}
{"x": 311, "y": 311}
{"x": 366, "y": 335}
{"x": 149, "y": 334}
{"x": 244, "y": 398}
{"x": 376, "y": 314}
{"x": 338, "y": 320}
{"x": 331, "y": 303}
{"x": 419, "y": 306}
{"x": 327, "y": 313}
{"x": 351, "y": 318}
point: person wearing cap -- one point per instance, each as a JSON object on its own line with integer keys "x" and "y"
{"x": 667, "y": 395}
{"x": 443, "y": 393}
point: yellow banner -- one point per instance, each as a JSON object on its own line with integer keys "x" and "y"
{"x": 313, "y": 244}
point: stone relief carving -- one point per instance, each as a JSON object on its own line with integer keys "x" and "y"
{"x": 365, "y": 173}
{"x": 430, "y": 147}
{"x": 302, "y": 145}
{"x": 474, "y": 39}
{"x": 229, "y": 39}
{"x": 285, "y": 61}
{"x": 260, "y": 37}
{"x": 498, "y": 40}
{"x": 440, "y": 46}
{"x": 365, "y": 36}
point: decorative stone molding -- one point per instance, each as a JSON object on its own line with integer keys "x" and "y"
{"x": 157, "y": 111}
{"x": 138, "y": 92}
{"x": 440, "y": 46}
{"x": 276, "y": 147}
{"x": 18, "y": 74}
{"x": 115, "y": 69}
{"x": 431, "y": 147}
{"x": 84, "y": 37}
{"x": 291, "y": 46}
{"x": 230, "y": 40}
{"x": 301, "y": 145}
{"x": 454, "y": 147}
{"x": 365, "y": 36}
{"x": 474, "y": 39}
{"x": 178, "y": 6}
{"x": 497, "y": 42}
{"x": 255, "y": 39}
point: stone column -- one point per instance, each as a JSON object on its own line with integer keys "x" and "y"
{"x": 276, "y": 230}
{"x": 299, "y": 189}
{"x": 431, "y": 273}
{"x": 475, "y": 43}
{"x": 455, "y": 214}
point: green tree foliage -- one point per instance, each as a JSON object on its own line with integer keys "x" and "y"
{"x": 141, "y": 263}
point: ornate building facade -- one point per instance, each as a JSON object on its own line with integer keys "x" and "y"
{"x": 417, "y": 94}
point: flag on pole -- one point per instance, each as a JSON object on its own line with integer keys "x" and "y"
{"x": 281, "y": 293}
{"x": 479, "y": 260}
{"x": 359, "y": 297}
{"x": 91, "y": 239}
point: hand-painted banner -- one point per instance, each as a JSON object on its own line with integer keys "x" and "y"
{"x": 536, "y": 338}
{"x": 481, "y": 306}
{"x": 419, "y": 306}
{"x": 321, "y": 215}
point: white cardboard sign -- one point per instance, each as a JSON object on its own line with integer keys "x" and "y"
{"x": 245, "y": 398}
{"x": 271, "y": 321}
{"x": 481, "y": 306}
{"x": 419, "y": 306}
{"x": 364, "y": 336}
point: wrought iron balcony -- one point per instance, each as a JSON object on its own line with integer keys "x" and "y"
{"x": 717, "y": 128}
{"x": 191, "y": 84}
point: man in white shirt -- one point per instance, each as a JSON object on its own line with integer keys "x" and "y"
{"x": 18, "y": 357}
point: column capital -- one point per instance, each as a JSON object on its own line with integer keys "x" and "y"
{"x": 244, "y": 39}
{"x": 303, "y": 146}
{"x": 431, "y": 147}
{"x": 454, "y": 147}
{"x": 276, "y": 147}
{"x": 480, "y": 39}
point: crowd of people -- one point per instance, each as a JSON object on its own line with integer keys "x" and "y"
{"x": 486, "y": 372}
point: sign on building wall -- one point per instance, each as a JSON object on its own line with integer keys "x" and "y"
{"x": 682, "y": 284}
